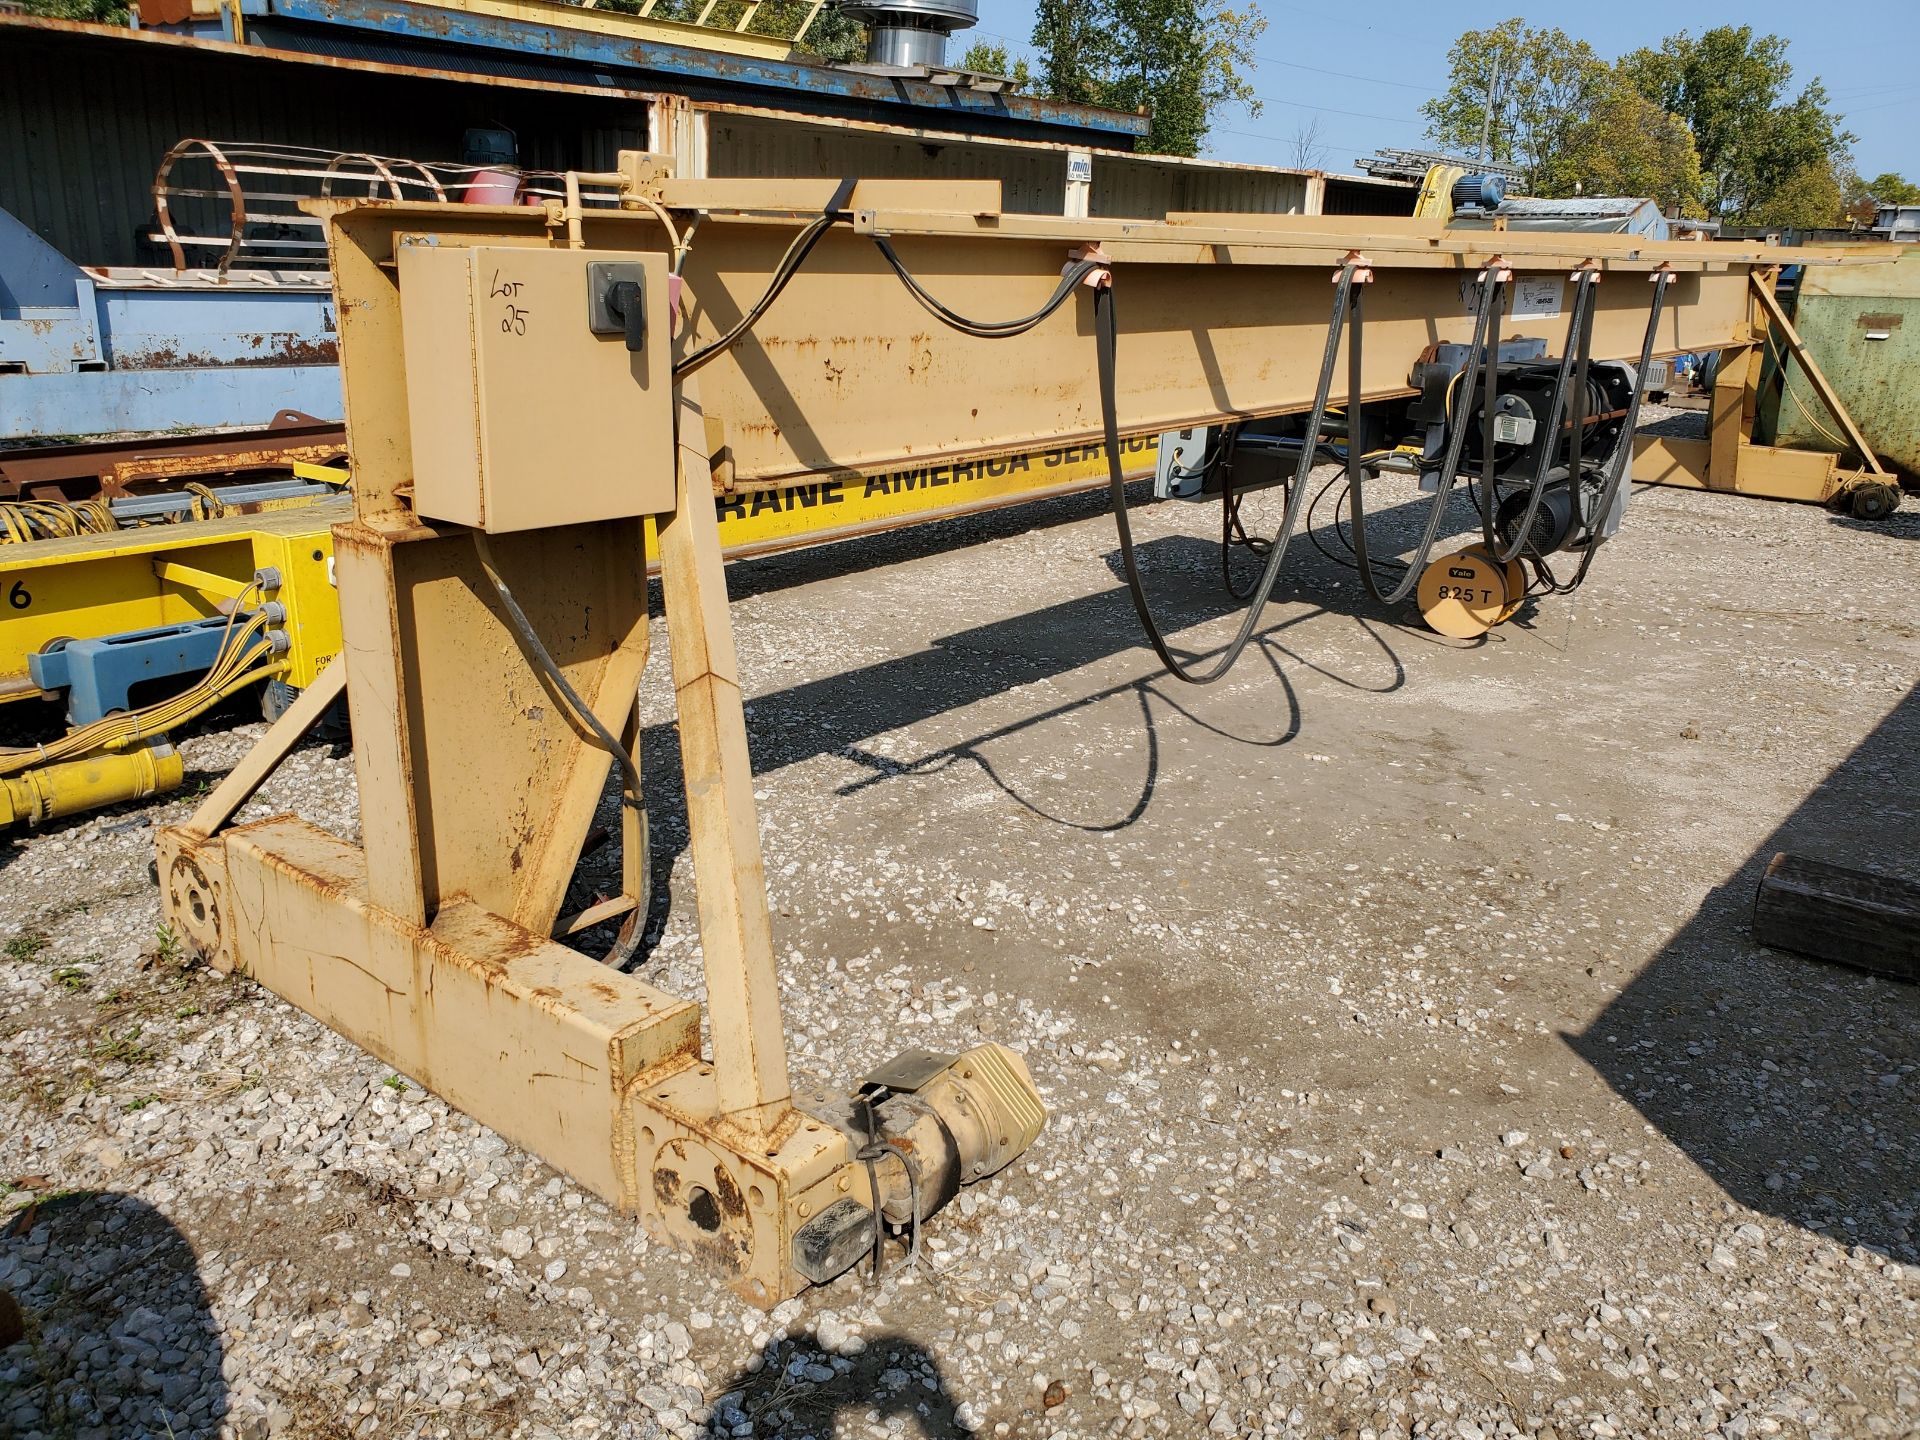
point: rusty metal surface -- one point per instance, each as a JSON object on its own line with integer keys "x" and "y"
{"x": 812, "y": 88}
{"x": 120, "y": 468}
{"x": 593, "y": 1069}
{"x": 261, "y": 347}
{"x": 566, "y": 1038}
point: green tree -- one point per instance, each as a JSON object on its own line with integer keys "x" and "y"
{"x": 101, "y": 12}
{"x": 1179, "y": 61}
{"x": 1067, "y": 33}
{"x": 1761, "y": 154}
{"x": 1890, "y": 189}
{"x": 1805, "y": 199}
{"x": 831, "y": 36}
{"x": 1524, "y": 90}
{"x": 986, "y": 59}
{"x": 1625, "y": 144}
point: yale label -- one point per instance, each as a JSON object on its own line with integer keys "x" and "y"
{"x": 1536, "y": 295}
{"x": 521, "y": 416}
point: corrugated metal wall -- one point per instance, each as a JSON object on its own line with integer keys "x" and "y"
{"x": 84, "y": 123}
{"x": 1033, "y": 180}
{"x": 1147, "y": 187}
{"x": 85, "y": 120}
{"x": 1348, "y": 196}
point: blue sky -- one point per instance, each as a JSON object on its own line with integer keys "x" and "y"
{"x": 1865, "y": 50}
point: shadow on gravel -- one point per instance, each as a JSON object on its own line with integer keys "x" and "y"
{"x": 1795, "y": 1084}
{"x": 1903, "y": 524}
{"x": 800, "y": 1393}
{"x": 120, "y": 1343}
{"x": 834, "y": 714}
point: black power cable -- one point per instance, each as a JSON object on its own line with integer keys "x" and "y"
{"x": 1071, "y": 279}
{"x": 628, "y": 938}
{"x": 543, "y": 660}
{"x": 1618, "y": 464}
{"x": 788, "y": 266}
{"x": 1232, "y": 531}
{"x": 1573, "y": 370}
{"x": 1492, "y": 286}
{"x": 1106, "y": 347}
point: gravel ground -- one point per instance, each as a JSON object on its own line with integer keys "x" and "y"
{"x": 1409, "y": 1068}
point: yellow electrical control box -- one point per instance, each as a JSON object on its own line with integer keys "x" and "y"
{"x": 544, "y": 398}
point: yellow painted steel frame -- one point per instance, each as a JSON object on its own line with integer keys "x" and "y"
{"x": 1728, "y": 460}
{"x": 82, "y": 586}
{"x": 428, "y": 944}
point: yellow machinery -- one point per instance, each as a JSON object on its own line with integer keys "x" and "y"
{"x": 566, "y": 415}
{"x": 120, "y": 624}
{"x": 135, "y": 580}
{"x": 1435, "y": 200}
{"x": 45, "y": 792}
{"x": 111, "y": 588}
{"x": 1729, "y": 460}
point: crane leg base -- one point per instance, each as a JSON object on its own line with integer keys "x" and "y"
{"x": 595, "y": 1071}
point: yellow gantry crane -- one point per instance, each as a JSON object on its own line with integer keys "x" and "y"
{"x": 539, "y": 402}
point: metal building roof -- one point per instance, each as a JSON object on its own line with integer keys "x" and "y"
{"x": 591, "y": 46}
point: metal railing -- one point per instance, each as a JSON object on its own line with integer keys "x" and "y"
{"x": 223, "y": 205}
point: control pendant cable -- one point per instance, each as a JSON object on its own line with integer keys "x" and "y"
{"x": 789, "y": 266}
{"x": 1486, "y": 340}
{"x": 536, "y": 650}
{"x": 1618, "y": 462}
{"x": 1106, "y": 345}
{"x": 1571, "y": 381}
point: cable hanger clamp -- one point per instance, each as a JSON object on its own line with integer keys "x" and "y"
{"x": 1095, "y": 254}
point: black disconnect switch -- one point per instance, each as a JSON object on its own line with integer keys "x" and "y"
{"x": 617, "y": 301}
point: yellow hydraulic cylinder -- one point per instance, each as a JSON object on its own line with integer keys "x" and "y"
{"x": 76, "y": 785}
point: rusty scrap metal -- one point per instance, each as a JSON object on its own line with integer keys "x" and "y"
{"x": 116, "y": 469}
